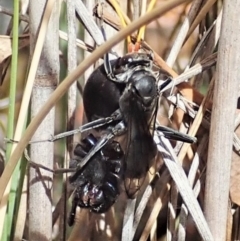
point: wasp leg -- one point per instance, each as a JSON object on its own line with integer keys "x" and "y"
{"x": 170, "y": 133}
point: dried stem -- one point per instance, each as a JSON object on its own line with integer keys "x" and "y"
{"x": 222, "y": 127}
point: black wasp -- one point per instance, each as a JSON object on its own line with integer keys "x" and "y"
{"x": 129, "y": 85}
{"x": 120, "y": 97}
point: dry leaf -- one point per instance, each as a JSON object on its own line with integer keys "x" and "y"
{"x": 6, "y": 45}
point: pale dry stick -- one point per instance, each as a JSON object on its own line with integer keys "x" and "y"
{"x": 144, "y": 7}
{"x": 153, "y": 233}
{"x": 174, "y": 32}
{"x": 24, "y": 109}
{"x": 229, "y": 228}
{"x": 205, "y": 9}
{"x": 179, "y": 177}
{"x": 197, "y": 121}
{"x": 24, "y": 6}
{"x": 71, "y": 38}
{"x": 71, "y": 107}
{"x": 136, "y": 9}
{"x": 62, "y": 88}
{"x": 182, "y": 221}
{"x": 236, "y": 143}
{"x": 183, "y": 32}
{"x": 72, "y": 61}
{"x": 91, "y": 31}
{"x": 127, "y": 232}
{"x": 46, "y": 80}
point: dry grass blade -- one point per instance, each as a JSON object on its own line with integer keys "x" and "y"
{"x": 191, "y": 177}
{"x": 197, "y": 121}
{"x": 127, "y": 231}
{"x": 156, "y": 183}
{"x": 193, "y": 71}
{"x": 160, "y": 199}
{"x": 141, "y": 207}
{"x": 88, "y": 22}
{"x": 6, "y": 45}
{"x": 205, "y": 9}
{"x": 183, "y": 32}
{"x": 208, "y": 42}
{"x": 184, "y": 188}
{"x": 184, "y": 88}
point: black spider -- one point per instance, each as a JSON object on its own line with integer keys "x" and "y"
{"x": 97, "y": 184}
